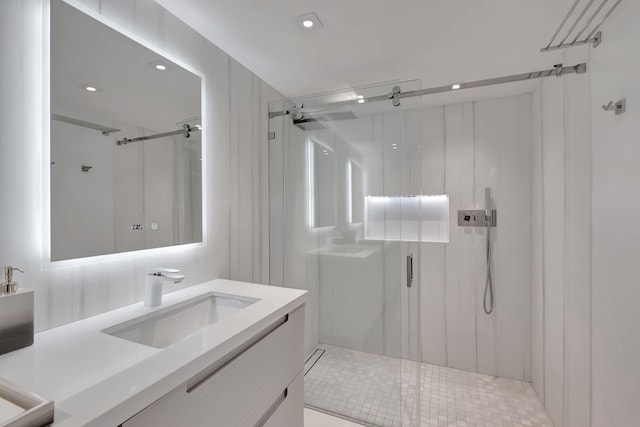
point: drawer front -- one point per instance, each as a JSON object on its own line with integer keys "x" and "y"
{"x": 240, "y": 392}
{"x": 290, "y": 411}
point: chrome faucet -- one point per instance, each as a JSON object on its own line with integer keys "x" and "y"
{"x": 153, "y": 285}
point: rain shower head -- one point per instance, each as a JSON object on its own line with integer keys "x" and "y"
{"x": 317, "y": 121}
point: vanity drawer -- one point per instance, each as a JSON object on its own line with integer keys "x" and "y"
{"x": 290, "y": 411}
{"x": 240, "y": 392}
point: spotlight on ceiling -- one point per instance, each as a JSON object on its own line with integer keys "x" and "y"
{"x": 309, "y": 21}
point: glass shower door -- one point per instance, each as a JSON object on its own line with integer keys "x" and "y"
{"x": 344, "y": 191}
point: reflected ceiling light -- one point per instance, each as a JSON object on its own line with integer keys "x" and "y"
{"x": 394, "y": 146}
{"x": 360, "y": 99}
{"x": 309, "y": 21}
{"x": 89, "y": 87}
{"x": 455, "y": 86}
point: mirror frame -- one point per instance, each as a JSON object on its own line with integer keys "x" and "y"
{"x": 47, "y": 263}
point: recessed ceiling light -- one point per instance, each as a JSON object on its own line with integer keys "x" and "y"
{"x": 160, "y": 65}
{"x": 455, "y": 86}
{"x": 90, "y": 87}
{"x": 309, "y": 21}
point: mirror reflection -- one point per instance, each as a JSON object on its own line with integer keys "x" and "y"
{"x": 126, "y": 145}
{"x": 321, "y": 167}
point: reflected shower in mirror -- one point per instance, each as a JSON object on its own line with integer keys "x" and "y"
{"x": 126, "y": 143}
{"x": 321, "y": 182}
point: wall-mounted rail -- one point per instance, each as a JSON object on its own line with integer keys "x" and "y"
{"x": 584, "y": 18}
{"x": 70, "y": 120}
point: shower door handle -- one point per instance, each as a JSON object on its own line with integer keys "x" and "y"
{"x": 409, "y": 270}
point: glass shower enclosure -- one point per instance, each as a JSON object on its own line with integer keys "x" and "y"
{"x": 346, "y": 220}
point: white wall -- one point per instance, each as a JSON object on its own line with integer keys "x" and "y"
{"x": 616, "y": 209}
{"x": 235, "y": 103}
{"x": 467, "y": 147}
{"x": 561, "y": 294}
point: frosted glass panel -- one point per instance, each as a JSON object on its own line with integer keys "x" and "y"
{"x": 401, "y": 218}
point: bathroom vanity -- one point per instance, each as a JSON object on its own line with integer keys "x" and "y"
{"x": 221, "y": 353}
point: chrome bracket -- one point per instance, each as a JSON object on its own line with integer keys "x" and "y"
{"x": 558, "y": 68}
{"x": 597, "y": 39}
{"x": 296, "y": 114}
{"x": 395, "y": 96}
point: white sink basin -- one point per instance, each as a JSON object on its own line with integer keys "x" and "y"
{"x": 164, "y": 327}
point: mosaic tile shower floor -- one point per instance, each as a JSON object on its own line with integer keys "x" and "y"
{"x": 380, "y": 391}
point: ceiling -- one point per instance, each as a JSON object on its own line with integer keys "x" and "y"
{"x": 370, "y": 41}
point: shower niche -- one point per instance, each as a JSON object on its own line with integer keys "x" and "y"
{"x": 407, "y": 218}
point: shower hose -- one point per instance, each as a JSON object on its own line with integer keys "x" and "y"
{"x": 488, "y": 285}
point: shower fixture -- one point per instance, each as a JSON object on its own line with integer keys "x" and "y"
{"x": 486, "y": 217}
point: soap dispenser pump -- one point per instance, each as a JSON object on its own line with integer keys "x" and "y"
{"x": 9, "y": 286}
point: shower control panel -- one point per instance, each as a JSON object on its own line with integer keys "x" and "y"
{"x": 476, "y": 218}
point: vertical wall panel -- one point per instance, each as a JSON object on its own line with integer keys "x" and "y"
{"x": 616, "y": 236}
{"x": 241, "y": 184}
{"x": 460, "y": 286}
{"x": 503, "y": 163}
{"x": 577, "y": 393}
{"x": 432, "y": 255}
{"x": 554, "y": 202}
{"x": 537, "y": 231}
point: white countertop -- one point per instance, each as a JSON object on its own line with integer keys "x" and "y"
{"x": 100, "y": 380}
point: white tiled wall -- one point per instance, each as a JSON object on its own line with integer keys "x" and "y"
{"x": 236, "y": 196}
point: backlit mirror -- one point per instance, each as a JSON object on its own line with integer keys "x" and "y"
{"x": 126, "y": 145}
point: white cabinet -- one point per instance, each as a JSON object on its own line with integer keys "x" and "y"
{"x": 260, "y": 384}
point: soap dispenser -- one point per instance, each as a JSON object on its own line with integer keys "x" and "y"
{"x": 16, "y": 314}
{"x": 9, "y": 286}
